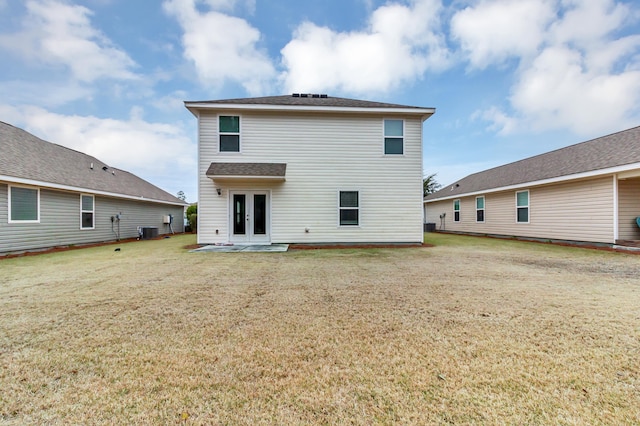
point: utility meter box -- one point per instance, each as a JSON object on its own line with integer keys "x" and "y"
{"x": 166, "y": 219}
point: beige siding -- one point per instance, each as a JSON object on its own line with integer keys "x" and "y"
{"x": 324, "y": 153}
{"x": 577, "y": 211}
{"x": 629, "y": 209}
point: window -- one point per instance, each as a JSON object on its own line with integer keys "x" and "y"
{"x": 349, "y": 208}
{"x": 394, "y": 137}
{"x": 456, "y": 210}
{"x": 24, "y": 204}
{"x": 480, "y": 209}
{"x": 522, "y": 206}
{"x": 86, "y": 211}
{"x": 229, "y": 130}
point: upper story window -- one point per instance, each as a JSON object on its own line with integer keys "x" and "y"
{"x": 229, "y": 131}
{"x": 394, "y": 137}
{"x": 24, "y": 205}
{"x": 87, "y": 210}
{"x": 522, "y": 206}
{"x": 349, "y": 208}
{"x": 480, "y": 209}
{"x": 456, "y": 210}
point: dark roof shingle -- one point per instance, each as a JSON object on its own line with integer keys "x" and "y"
{"x": 617, "y": 149}
{"x": 275, "y": 170}
{"x": 26, "y": 156}
{"x": 306, "y": 100}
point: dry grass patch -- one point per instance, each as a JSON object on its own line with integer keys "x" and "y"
{"x": 470, "y": 331}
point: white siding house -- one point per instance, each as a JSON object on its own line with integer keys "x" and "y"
{"x": 309, "y": 169}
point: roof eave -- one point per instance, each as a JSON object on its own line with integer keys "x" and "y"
{"x": 584, "y": 175}
{"x": 42, "y": 184}
{"x": 245, "y": 177}
{"x": 194, "y": 107}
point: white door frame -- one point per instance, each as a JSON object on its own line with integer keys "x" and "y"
{"x": 248, "y": 234}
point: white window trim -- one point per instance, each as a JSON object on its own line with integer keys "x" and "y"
{"x": 219, "y": 133}
{"x": 384, "y": 136}
{"x": 484, "y": 203}
{"x": 349, "y": 208}
{"x": 93, "y": 212}
{"x": 10, "y": 220}
{"x": 459, "y": 210}
{"x": 528, "y": 206}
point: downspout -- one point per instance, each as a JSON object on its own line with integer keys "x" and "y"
{"x": 616, "y": 230}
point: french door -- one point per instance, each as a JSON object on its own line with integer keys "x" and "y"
{"x": 249, "y": 217}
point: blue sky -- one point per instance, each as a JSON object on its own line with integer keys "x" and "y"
{"x": 508, "y": 78}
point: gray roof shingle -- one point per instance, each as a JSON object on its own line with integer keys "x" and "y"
{"x": 26, "y": 156}
{"x": 617, "y": 149}
{"x": 315, "y": 100}
{"x": 275, "y": 170}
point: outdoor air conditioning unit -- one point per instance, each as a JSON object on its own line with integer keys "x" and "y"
{"x": 166, "y": 219}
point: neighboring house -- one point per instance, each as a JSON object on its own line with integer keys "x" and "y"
{"x": 54, "y": 196}
{"x": 309, "y": 169}
{"x": 588, "y": 192}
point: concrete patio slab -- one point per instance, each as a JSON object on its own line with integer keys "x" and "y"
{"x": 271, "y": 248}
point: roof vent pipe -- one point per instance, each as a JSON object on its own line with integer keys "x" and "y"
{"x": 91, "y": 166}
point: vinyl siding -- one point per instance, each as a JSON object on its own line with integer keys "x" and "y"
{"x": 628, "y": 209}
{"x": 324, "y": 153}
{"x": 576, "y": 211}
{"x": 60, "y": 221}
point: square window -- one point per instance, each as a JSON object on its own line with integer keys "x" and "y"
{"x": 25, "y": 204}
{"x": 229, "y": 124}
{"x": 229, "y": 143}
{"x": 394, "y": 137}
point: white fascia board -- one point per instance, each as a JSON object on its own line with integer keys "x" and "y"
{"x": 423, "y": 112}
{"x": 41, "y": 184}
{"x": 594, "y": 173}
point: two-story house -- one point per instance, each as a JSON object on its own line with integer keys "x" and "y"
{"x": 309, "y": 168}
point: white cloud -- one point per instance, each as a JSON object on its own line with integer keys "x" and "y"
{"x": 61, "y": 34}
{"x": 574, "y": 72}
{"x": 222, "y": 47}
{"x": 496, "y": 30}
{"x": 398, "y": 46}
{"x": 158, "y": 152}
{"x": 560, "y": 91}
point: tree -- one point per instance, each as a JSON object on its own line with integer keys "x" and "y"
{"x": 181, "y": 196}
{"x": 430, "y": 185}
{"x": 192, "y": 216}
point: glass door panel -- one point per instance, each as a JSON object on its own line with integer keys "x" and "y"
{"x": 239, "y": 213}
{"x": 259, "y": 214}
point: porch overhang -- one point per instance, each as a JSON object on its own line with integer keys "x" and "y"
{"x": 247, "y": 171}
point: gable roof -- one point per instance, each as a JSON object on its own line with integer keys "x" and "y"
{"x": 308, "y": 102}
{"x": 601, "y": 154}
{"x": 28, "y": 159}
